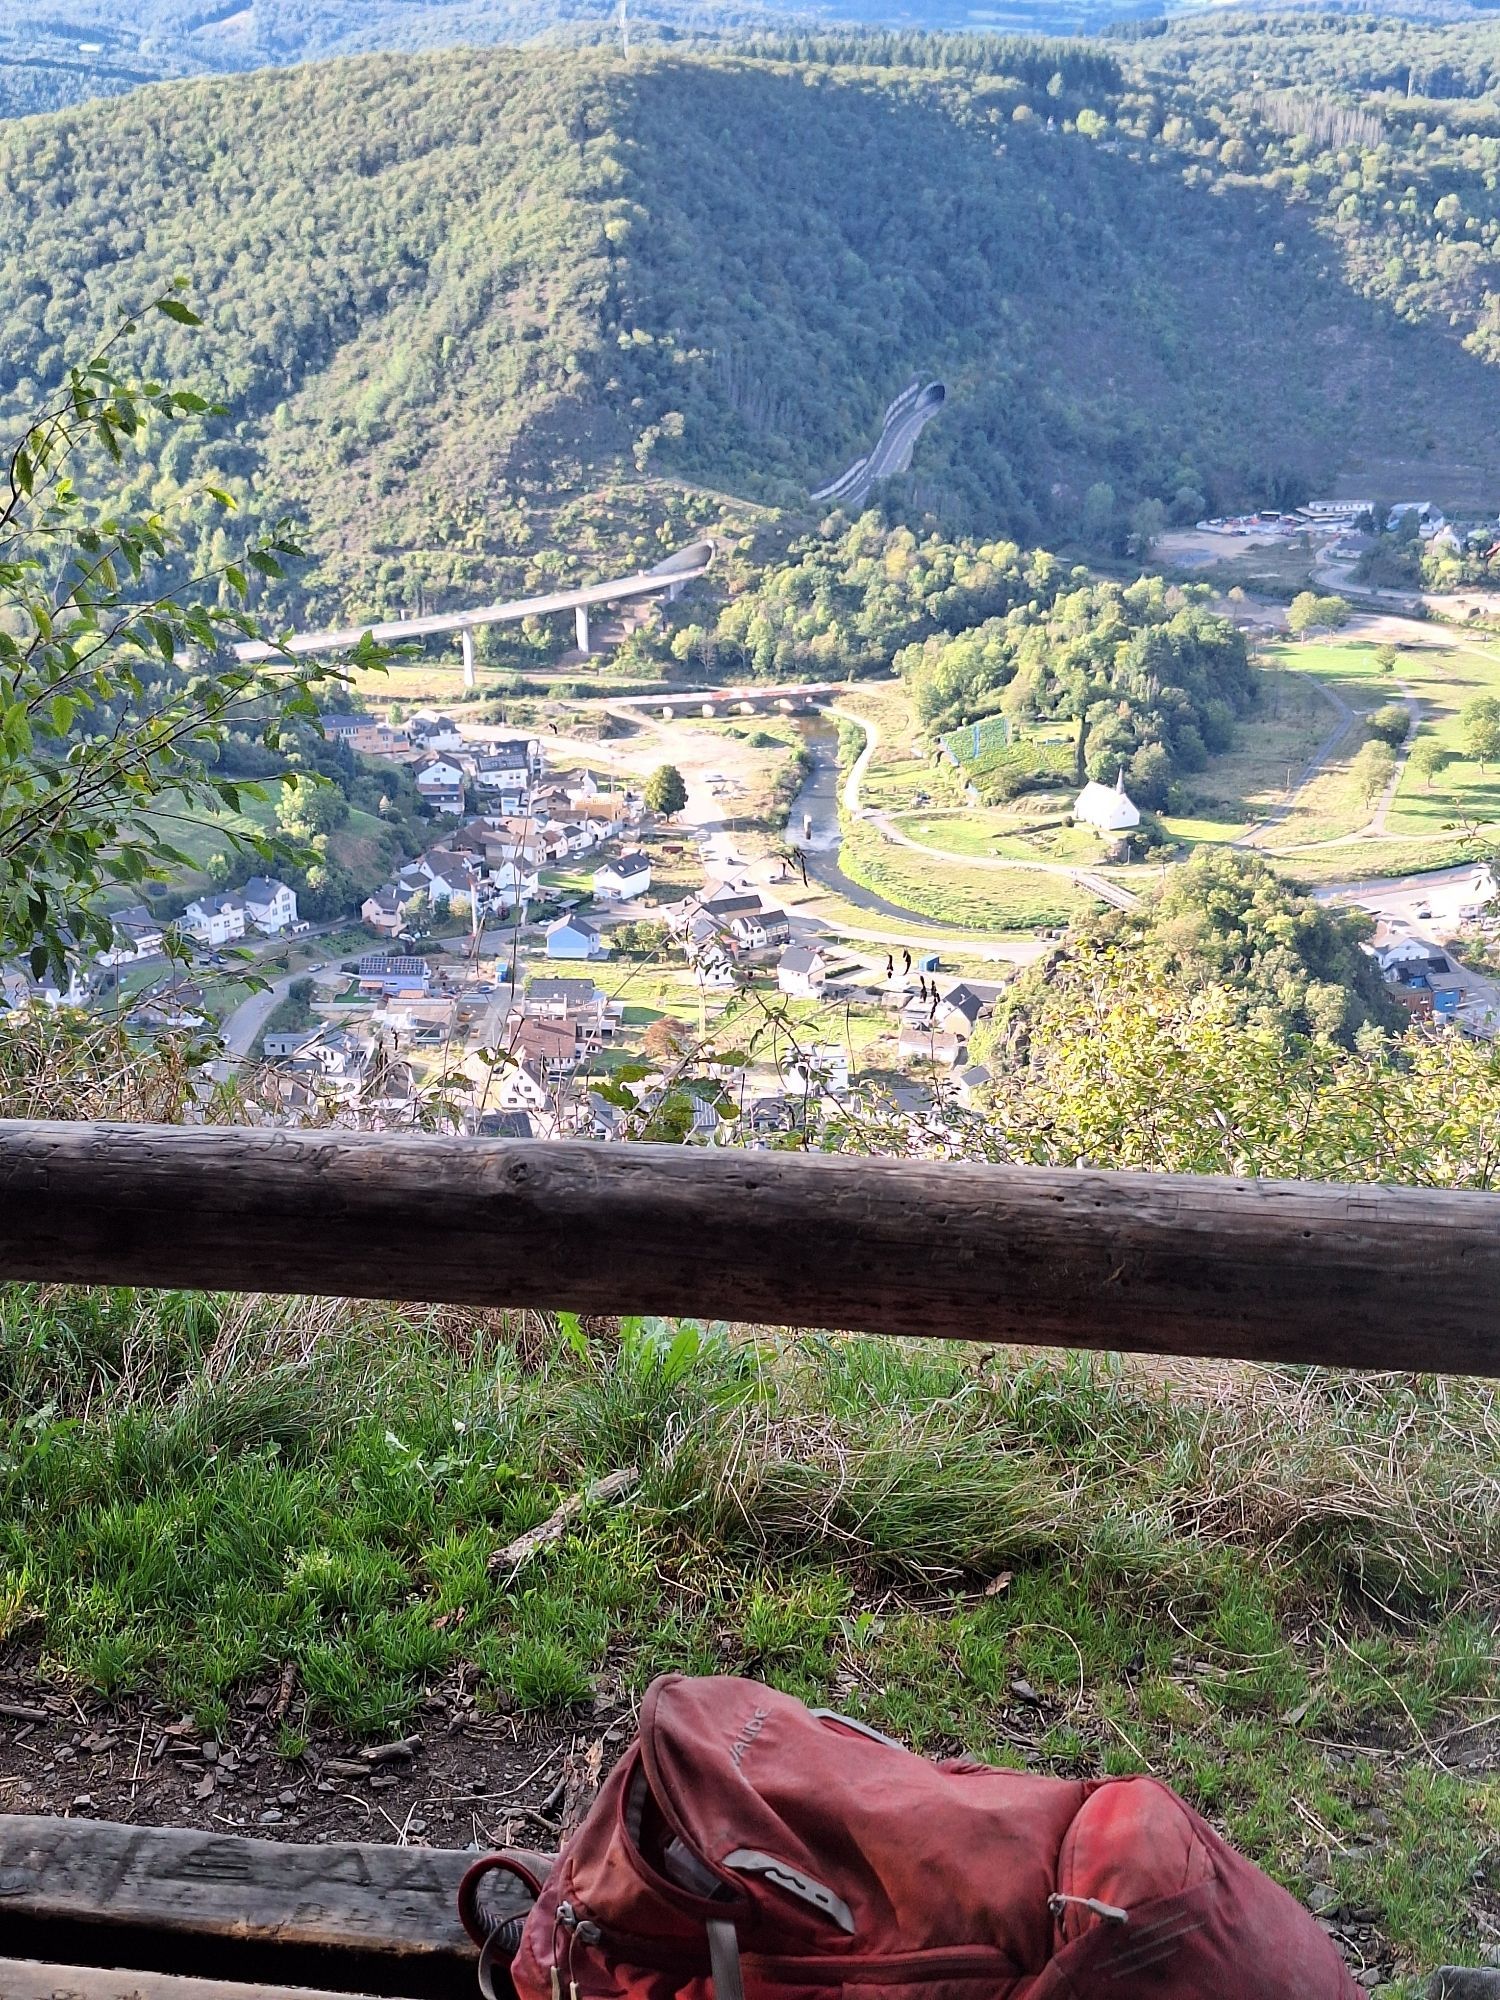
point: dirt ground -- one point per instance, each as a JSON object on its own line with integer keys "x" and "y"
{"x": 457, "y": 1779}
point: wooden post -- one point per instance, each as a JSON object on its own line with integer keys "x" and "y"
{"x": 1366, "y": 1277}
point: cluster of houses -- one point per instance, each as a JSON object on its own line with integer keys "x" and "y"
{"x": 1352, "y": 523}
{"x": 221, "y": 916}
{"x": 1327, "y": 514}
{"x": 723, "y": 928}
{"x": 1269, "y": 522}
{"x": 728, "y": 933}
{"x": 1473, "y": 536}
{"x": 515, "y": 1064}
{"x": 263, "y": 904}
{"x": 522, "y": 823}
{"x": 484, "y": 866}
{"x": 530, "y": 1086}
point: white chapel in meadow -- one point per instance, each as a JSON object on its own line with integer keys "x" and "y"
{"x": 1106, "y": 806}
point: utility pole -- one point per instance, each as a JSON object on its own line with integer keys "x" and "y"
{"x": 624, "y": 32}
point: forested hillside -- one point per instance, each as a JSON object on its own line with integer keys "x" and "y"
{"x": 470, "y": 308}
{"x": 1386, "y": 131}
{"x": 54, "y": 53}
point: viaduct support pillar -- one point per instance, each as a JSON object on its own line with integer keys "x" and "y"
{"x": 581, "y": 626}
{"x": 466, "y": 640}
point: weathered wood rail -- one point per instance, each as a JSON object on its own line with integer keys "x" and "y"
{"x": 1361, "y": 1277}
{"x": 90, "y": 1910}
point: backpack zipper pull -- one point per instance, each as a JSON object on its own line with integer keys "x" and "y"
{"x": 1057, "y": 1903}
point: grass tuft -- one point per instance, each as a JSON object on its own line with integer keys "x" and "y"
{"x": 1275, "y": 1588}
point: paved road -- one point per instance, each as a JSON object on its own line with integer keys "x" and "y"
{"x": 240, "y": 1028}
{"x": 1444, "y": 891}
{"x": 1443, "y": 603}
{"x": 902, "y": 425}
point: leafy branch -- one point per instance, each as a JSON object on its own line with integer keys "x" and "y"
{"x": 119, "y": 683}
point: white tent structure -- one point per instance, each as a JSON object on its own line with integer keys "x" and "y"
{"x": 1106, "y": 807}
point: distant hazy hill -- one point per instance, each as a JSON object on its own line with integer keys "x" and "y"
{"x": 468, "y": 304}
{"x": 59, "y": 52}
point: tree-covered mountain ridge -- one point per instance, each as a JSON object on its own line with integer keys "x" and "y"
{"x": 486, "y": 316}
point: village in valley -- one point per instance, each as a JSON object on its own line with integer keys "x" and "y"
{"x": 566, "y": 957}
{"x": 721, "y": 914}
{"x": 564, "y": 960}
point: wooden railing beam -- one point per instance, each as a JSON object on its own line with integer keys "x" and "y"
{"x": 1362, "y": 1277}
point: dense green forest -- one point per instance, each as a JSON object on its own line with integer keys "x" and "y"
{"x": 487, "y": 318}
{"x": 1155, "y": 679}
{"x": 1386, "y": 131}
{"x": 1227, "y": 927}
{"x": 845, "y": 602}
{"x": 55, "y": 53}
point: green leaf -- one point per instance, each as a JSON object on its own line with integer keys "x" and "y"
{"x": 570, "y": 1326}
{"x": 175, "y": 309}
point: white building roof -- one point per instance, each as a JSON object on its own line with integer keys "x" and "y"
{"x": 1106, "y": 806}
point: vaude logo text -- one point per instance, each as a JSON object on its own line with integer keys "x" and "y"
{"x": 755, "y": 1722}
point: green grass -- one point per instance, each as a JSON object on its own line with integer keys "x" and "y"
{"x": 1273, "y": 743}
{"x": 1444, "y": 673}
{"x": 978, "y": 899}
{"x": 359, "y": 844}
{"x": 1237, "y": 788}
{"x": 349, "y": 942}
{"x": 904, "y": 761}
{"x": 988, "y": 831}
{"x": 1365, "y": 860}
{"x": 1268, "y": 1587}
{"x": 571, "y": 881}
{"x": 844, "y": 917}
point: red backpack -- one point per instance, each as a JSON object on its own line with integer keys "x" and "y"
{"x": 748, "y": 1846}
